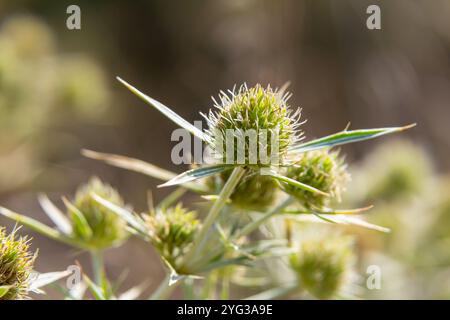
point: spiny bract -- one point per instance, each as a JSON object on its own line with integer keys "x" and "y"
{"x": 172, "y": 230}
{"x": 322, "y": 265}
{"x": 105, "y": 228}
{"x": 16, "y": 265}
{"x": 261, "y": 112}
{"x": 321, "y": 169}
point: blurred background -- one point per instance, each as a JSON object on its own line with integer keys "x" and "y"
{"x": 58, "y": 94}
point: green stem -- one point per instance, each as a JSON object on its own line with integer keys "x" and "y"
{"x": 188, "y": 289}
{"x": 213, "y": 215}
{"x": 252, "y": 226}
{"x": 164, "y": 290}
{"x": 98, "y": 266}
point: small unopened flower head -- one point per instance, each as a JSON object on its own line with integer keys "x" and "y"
{"x": 172, "y": 231}
{"x": 16, "y": 265}
{"x": 322, "y": 265}
{"x": 393, "y": 171}
{"x": 253, "y": 126}
{"x": 254, "y": 191}
{"x": 322, "y": 169}
{"x": 105, "y": 228}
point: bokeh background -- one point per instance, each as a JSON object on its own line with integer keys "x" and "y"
{"x": 58, "y": 94}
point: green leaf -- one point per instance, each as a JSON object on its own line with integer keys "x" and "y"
{"x": 140, "y": 166}
{"x": 96, "y": 291}
{"x": 328, "y": 211}
{"x": 132, "y": 219}
{"x": 39, "y": 227}
{"x": 167, "y": 112}
{"x": 240, "y": 261}
{"x": 4, "y": 290}
{"x": 79, "y": 220}
{"x": 197, "y": 173}
{"x": 339, "y": 219}
{"x": 295, "y": 183}
{"x": 345, "y": 137}
{"x": 58, "y": 218}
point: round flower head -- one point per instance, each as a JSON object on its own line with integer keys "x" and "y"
{"x": 322, "y": 265}
{"x": 254, "y": 191}
{"x": 321, "y": 169}
{"x": 94, "y": 224}
{"x": 253, "y": 126}
{"x": 387, "y": 175}
{"x": 172, "y": 230}
{"x": 16, "y": 264}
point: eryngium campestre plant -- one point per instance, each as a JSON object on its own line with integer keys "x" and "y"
{"x": 172, "y": 231}
{"x": 263, "y": 111}
{"x": 93, "y": 224}
{"x": 16, "y": 265}
{"x": 322, "y": 169}
{"x": 322, "y": 265}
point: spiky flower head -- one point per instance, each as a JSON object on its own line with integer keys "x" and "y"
{"x": 172, "y": 231}
{"x": 16, "y": 265}
{"x": 94, "y": 224}
{"x": 254, "y": 191}
{"x": 322, "y": 169}
{"x": 253, "y": 126}
{"x": 323, "y": 264}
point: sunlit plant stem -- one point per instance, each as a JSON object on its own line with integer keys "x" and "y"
{"x": 213, "y": 214}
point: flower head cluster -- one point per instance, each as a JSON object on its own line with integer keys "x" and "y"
{"x": 322, "y": 169}
{"x": 92, "y": 223}
{"x": 322, "y": 265}
{"x": 172, "y": 231}
{"x": 253, "y": 126}
{"x": 16, "y": 264}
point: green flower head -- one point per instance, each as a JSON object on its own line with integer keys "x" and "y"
{"x": 253, "y": 126}
{"x": 16, "y": 265}
{"x": 394, "y": 171}
{"x": 172, "y": 230}
{"x": 94, "y": 224}
{"x": 321, "y": 169}
{"x": 322, "y": 265}
{"x": 254, "y": 191}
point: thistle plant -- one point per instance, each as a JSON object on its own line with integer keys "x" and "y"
{"x": 17, "y": 278}
{"x": 16, "y": 265}
{"x": 93, "y": 225}
{"x": 322, "y": 265}
{"x": 171, "y": 231}
{"x": 263, "y": 112}
{"x": 321, "y": 169}
{"x": 87, "y": 225}
{"x": 392, "y": 176}
{"x": 278, "y": 177}
{"x": 309, "y": 172}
